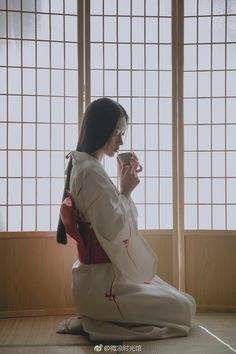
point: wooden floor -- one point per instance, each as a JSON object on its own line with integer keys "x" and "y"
{"x": 213, "y": 333}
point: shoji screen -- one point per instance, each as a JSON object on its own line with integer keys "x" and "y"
{"x": 130, "y": 59}
{"x": 39, "y": 109}
{"x": 209, "y": 114}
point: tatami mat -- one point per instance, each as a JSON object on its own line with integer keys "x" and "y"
{"x": 212, "y": 333}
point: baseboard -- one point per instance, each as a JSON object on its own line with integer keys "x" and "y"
{"x": 72, "y": 311}
{"x": 213, "y": 308}
{"x": 41, "y": 312}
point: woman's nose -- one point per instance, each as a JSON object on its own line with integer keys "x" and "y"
{"x": 121, "y": 140}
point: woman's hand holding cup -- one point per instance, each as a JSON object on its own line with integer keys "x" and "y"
{"x": 128, "y": 158}
{"x": 128, "y": 167}
{"x": 134, "y": 162}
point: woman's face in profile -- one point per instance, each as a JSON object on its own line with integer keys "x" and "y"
{"x": 116, "y": 140}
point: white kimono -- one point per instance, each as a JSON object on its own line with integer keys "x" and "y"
{"x": 124, "y": 299}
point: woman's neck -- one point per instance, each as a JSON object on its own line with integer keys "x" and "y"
{"x": 98, "y": 155}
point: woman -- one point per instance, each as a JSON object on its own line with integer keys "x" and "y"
{"x": 115, "y": 289}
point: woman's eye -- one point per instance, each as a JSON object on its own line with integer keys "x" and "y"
{"x": 119, "y": 133}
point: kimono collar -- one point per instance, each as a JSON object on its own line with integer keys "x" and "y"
{"x": 81, "y": 156}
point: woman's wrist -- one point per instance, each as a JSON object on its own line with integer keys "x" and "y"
{"x": 126, "y": 194}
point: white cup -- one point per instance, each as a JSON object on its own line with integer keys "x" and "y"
{"x": 125, "y": 157}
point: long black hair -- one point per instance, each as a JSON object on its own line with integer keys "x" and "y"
{"x": 99, "y": 122}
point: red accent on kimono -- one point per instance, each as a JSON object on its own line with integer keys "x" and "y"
{"x": 126, "y": 242}
{"x": 112, "y": 297}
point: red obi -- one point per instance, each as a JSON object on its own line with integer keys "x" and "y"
{"x": 89, "y": 249}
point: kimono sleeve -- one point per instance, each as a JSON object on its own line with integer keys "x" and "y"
{"x": 112, "y": 217}
{"x": 102, "y": 205}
